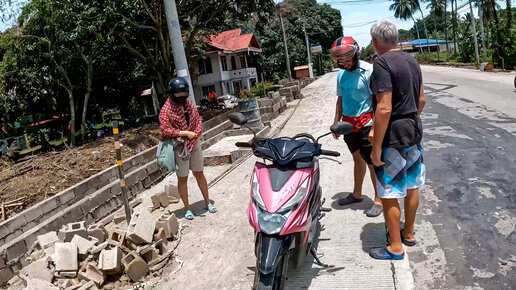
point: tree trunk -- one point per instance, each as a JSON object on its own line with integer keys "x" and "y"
{"x": 446, "y": 31}
{"x": 418, "y": 37}
{"x": 498, "y": 45}
{"x": 72, "y": 117}
{"x": 509, "y": 15}
{"x": 454, "y": 17}
{"x": 426, "y": 32}
{"x": 435, "y": 37}
{"x": 89, "y": 82}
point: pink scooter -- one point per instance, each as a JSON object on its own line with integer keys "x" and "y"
{"x": 285, "y": 205}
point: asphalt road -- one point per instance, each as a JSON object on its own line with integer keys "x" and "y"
{"x": 467, "y": 220}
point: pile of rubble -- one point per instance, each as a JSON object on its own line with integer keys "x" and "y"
{"x": 93, "y": 257}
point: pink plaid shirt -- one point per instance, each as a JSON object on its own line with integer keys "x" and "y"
{"x": 172, "y": 120}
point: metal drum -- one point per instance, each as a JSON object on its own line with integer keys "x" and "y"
{"x": 251, "y": 110}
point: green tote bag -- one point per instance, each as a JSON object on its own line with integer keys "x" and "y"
{"x": 165, "y": 155}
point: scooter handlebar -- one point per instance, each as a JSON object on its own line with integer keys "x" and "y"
{"x": 330, "y": 153}
{"x": 244, "y": 144}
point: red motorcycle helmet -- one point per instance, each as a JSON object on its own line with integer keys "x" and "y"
{"x": 344, "y": 48}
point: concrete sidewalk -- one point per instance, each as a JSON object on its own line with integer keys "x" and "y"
{"x": 218, "y": 249}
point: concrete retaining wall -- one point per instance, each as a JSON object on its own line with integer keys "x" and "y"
{"x": 90, "y": 200}
{"x": 271, "y": 107}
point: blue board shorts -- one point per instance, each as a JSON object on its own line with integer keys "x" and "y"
{"x": 403, "y": 170}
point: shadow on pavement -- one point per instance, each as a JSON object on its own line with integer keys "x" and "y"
{"x": 364, "y": 205}
{"x": 302, "y": 278}
{"x": 373, "y": 236}
{"x": 199, "y": 209}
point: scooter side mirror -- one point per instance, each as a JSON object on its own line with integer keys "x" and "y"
{"x": 341, "y": 128}
{"x": 238, "y": 118}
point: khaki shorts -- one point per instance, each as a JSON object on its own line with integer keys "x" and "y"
{"x": 194, "y": 162}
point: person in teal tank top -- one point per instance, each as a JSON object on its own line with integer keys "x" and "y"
{"x": 354, "y": 105}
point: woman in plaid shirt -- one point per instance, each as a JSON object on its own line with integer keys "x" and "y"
{"x": 180, "y": 121}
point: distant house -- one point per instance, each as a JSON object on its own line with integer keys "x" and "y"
{"x": 433, "y": 44}
{"x": 230, "y": 65}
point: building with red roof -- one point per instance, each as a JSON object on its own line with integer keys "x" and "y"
{"x": 230, "y": 65}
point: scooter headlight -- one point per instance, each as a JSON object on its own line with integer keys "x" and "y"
{"x": 297, "y": 198}
{"x": 271, "y": 224}
{"x": 255, "y": 193}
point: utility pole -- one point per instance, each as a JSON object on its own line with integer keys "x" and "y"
{"x": 482, "y": 35}
{"x": 286, "y": 48}
{"x": 474, "y": 31}
{"x": 178, "y": 49}
{"x": 310, "y": 70}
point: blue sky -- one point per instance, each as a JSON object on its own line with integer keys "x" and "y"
{"x": 361, "y": 12}
{"x": 353, "y": 14}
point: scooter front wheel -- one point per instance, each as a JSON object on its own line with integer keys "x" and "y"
{"x": 274, "y": 280}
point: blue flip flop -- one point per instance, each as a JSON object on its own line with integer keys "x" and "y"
{"x": 384, "y": 254}
{"x": 189, "y": 215}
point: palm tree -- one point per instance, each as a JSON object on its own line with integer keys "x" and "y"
{"x": 437, "y": 7}
{"x": 424, "y": 25}
{"x": 404, "y": 10}
{"x": 509, "y": 14}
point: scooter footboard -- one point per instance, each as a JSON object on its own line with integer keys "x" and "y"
{"x": 270, "y": 249}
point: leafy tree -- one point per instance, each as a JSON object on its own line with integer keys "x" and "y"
{"x": 404, "y": 10}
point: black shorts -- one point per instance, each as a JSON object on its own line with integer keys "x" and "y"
{"x": 360, "y": 141}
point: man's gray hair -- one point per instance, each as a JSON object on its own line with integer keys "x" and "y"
{"x": 386, "y": 32}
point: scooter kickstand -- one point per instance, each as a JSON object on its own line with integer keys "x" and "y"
{"x": 317, "y": 260}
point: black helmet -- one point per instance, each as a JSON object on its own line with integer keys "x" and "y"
{"x": 176, "y": 85}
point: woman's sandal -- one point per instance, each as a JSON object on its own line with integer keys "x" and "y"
{"x": 189, "y": 215}
{"x": 211, "y": 208}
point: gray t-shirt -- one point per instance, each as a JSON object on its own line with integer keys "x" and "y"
{"x": 399, "y": 73}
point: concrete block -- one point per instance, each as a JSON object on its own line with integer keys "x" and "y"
{"x": 119, "y": 217}
{"x": 66, "y": 196}
{"x": 88, "y": 286}
{"x": 110, "y": 261}
{"x": 4, "y": 230}
{"x": 160, "y": 235}
{"x": 160, "y": 200}
{"x": 116, "y": 238}
{"x": 93, "y": 273}
{"x": 66, "y": 257}
{"x": 97, "y": 249}
{"x": 82, "y": 187}
{"x": 98, "y": 232}
{"x": 16, "y": 250}
{"x": 141, "y": 227}
{"x": 38, "y": 270}
{"x": 135, "y": 266}
{"x": 169, "y": 223}
{"x": 16, "y": 222}
{"x": 33, "y": 213}
{"x": 150, "y": 255}
{"x": 72, "y": 229}
{"x": 83, "y": 245}
{"x": 5, "y": 275}
{"x": 171, "y": 190}
{"x": 48, "y": 205}
{"x": 47, "y": 242}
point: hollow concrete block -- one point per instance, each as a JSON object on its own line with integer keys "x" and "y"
{"x": 97, "y": 231}
{"x": 169, "y": 223}
{"x": 135, "y": 267}
{"x": 66, "y": 257}
{"x": 110, "y": 261}
{"x": 141, "y": 228}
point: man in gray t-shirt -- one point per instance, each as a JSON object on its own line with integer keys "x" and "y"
{"x": 398, "y": 99}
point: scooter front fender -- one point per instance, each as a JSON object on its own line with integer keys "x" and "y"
{"x": 270, "y": 249}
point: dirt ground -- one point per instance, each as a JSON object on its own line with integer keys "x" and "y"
{"x": 29, "y": 182}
